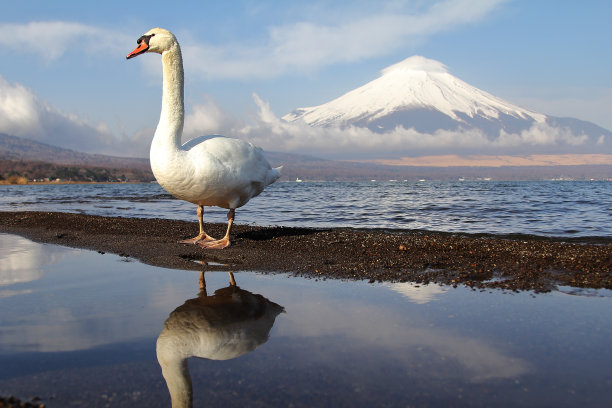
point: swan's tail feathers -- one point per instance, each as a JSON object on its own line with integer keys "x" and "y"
{"x": 273, "y": 175}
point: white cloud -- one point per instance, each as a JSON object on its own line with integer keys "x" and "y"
{"x": 24, "y": 114}
{"x": 307, "y": 46}
{"x": 301, "y": 46}
{"x": 52, "y": 39}
{"x": 205, "y": 119}
{"x": 272, "y": 133}
{"x": 541, "y": 134}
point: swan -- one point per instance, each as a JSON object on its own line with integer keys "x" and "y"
{"x": 207, "y": 171}
{"x": 226, "y": 325}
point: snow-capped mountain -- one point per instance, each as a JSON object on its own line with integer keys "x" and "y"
{"x": 420, "y": 93}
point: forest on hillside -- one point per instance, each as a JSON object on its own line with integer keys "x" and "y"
{"x": 19, "y": 172}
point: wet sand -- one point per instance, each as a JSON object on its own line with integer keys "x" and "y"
{"x": 517, "y": 262}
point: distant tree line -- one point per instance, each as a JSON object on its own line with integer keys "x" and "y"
{"x": 52, "y": 172}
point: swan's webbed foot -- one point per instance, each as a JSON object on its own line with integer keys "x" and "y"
{"x": 225, "y": 241}
{"x": 215, "y": 244}
{"x": 202, "y": 237}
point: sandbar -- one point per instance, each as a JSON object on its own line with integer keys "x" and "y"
{"x": 480, "y": 261}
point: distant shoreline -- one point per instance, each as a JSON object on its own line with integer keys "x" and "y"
{"x": 42, "y": 183}
{"x": 517, "y": 262}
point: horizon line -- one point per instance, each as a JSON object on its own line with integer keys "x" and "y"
{"x": 454, "y": 160}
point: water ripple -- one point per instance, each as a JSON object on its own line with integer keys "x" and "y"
{"x": 568, "y": 209}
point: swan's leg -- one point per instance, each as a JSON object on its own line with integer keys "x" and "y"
{"x": 202, "y": 283}
{"x": 225, "y": 241}
{"x": 202, "y": 236}
{"x": 232, "y": 280}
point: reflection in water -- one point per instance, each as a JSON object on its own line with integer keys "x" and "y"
{"x": 418, "y": 293}
{"x": 425, "y": 348}
{"x": 22, "y": 260}
{"x": 82, "y": 335}
{"x": 226, "y": 325}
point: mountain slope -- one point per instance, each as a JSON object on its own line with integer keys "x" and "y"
{"x": 18, "y": 148}
{"x": 419, "y": 93}
{"x": 27, "y": 157}
{"x": 20, "y": 157}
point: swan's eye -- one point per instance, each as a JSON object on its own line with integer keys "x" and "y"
{"x": 145, "y": 38}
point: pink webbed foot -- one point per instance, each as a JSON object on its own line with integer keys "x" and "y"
{"x": 216, "y": 244}
{"x": 200, "y": 238}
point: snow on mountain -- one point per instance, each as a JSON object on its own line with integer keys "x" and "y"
{"x": 421, "y": 94}
{"x": 415, "y": 83}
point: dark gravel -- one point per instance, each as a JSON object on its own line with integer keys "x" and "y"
{"x": 517, "y": 262}
{"x": 14, "y": 402}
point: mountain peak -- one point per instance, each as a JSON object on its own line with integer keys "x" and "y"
{"x": 418, "y": 93}
{"x": 416, "y": 63}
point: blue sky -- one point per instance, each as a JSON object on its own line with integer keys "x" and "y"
{"x": 64, "y": 79}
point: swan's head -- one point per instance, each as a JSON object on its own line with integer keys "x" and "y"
{"x": 155, "y": 40}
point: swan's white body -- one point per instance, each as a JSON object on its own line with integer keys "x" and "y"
{"x": 207, "y": 171}
{"x": 227, "y": 325}
{"x": 215, "y": 171}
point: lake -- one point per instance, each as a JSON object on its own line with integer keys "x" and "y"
{"x": 80, "y": 328}
{"x": 546, "y": 208}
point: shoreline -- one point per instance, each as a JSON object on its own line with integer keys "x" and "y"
{"x": 516, "y": 262}
{"x": 59, "y": 183}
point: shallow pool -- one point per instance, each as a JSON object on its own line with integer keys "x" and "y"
{"x": 80, "y": 328}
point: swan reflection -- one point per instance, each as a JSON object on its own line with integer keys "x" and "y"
{"x": 226, "y": 325}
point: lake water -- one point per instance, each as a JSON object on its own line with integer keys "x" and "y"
{"x": 548, "y": 208}
{"x": 78, "y": 328}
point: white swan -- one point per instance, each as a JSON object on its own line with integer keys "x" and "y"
{"x": 229, "y": 324}
{"x": 207, "y": 171}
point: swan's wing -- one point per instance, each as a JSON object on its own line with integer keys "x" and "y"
{"x": 197, "y": 140}
{"x": 234, "y": 170}
{"x": 228, "y": 156}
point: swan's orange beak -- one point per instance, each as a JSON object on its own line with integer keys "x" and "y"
{"x": 142, "y": 48}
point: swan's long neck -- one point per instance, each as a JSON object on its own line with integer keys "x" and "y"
{"x": 170, "y": 127}
{"x": 176, "y": 373}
